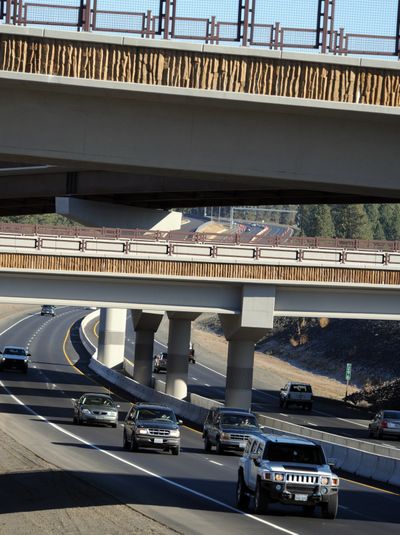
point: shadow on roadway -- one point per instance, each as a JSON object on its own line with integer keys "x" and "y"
{"x": 56, "y": 489}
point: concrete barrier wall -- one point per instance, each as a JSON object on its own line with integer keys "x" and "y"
{"x": 351, "y": 455}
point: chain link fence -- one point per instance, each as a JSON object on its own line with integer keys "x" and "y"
{"x": 344, "y": 27}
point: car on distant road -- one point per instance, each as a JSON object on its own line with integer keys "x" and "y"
{"x": 152, "y": 426}
{"x": 289, "y": 471}
{"x": 229, "y": 429}
{"x": 48, "y": 310}
{"x": 14, "y": 358}
{"x": 161, "y": 359}
{"x": 296, "y": 394}
{"x": 93, "y": 408}
{"x": 385, "y": 422}
{"x": 160, "y": 362}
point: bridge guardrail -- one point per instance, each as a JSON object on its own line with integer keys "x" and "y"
{"x": 377, "y": 462}
{"x": 194, "y": 247}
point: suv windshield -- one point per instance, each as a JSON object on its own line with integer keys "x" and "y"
{"x": 294, "y": 453}
{"x": 15, "y": 351}
{"x": 300, "y": 388}
{"x": 163, "y": 415}
{"x": 239, "y": 420}
{"x": 392, "y": 415}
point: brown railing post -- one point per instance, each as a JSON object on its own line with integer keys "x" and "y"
{"x": 397, "y": 49}
{"x": 325, "y": 22}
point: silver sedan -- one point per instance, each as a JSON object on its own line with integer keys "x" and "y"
{"x": 95, "y": 408}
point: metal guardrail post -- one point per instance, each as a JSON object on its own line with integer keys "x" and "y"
{"x": 325, "y": 23}
{"x": 397, "y": 45}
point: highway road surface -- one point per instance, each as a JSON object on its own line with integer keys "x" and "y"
{"x": 193, "y": 493}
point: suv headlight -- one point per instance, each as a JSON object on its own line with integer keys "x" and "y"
{"x": 324, "y": 480}
{"x": 225, "y": 436}
{"x": 86, "y": 411}
{"x": 267, "y": 475}
{"x": 174, "y": 433}
{"x": 279, "y": 477}
{"x": 143, "y": 431}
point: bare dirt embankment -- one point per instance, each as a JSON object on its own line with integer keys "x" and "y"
{"x": 36, "y": 497}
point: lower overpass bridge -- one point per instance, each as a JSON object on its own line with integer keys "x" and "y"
{"x": 247, "y": 280}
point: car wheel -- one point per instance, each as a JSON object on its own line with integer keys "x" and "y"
{"x": 207, "y": 444}
{"x": 260, "y": 500}
{"x": 175, "y": 450}
{"x": 125, "y": 441}
{"x": 370, "y": 433}
{"x": 242, "y": 499}
{"x": 330, "y": 508}
{"x": 379, "y": 434}
{"x": 133, "y": 444}
{"x": 219, "y": 448}
{"x": 74, "y": 420}
{"x": 114, "y": 425}
{"x": 309, "y": 407}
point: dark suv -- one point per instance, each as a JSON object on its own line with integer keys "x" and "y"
{"x": 47, "y": 310}
{"x": 160, "y": 362}
{"x": 228, "y": 429}
{"x": 152, "y": 426}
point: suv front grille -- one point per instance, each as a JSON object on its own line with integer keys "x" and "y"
{"x": 301, "y": 478}
{"x": 300, "y": 489}
{"x": 235, "y": 436}
{"x": 159, "y": 432}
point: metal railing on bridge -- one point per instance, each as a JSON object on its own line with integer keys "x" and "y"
{"x": 343, "y": 27}
{"x": 198, "y": 245}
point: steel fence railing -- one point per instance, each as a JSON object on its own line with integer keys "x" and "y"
{"x": 341, "y": 27}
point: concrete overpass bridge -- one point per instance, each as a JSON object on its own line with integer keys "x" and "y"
{"x": 247, "y": 283}
{"x": 156, "y": 124}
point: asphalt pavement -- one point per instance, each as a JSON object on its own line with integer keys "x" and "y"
{"x": 193, "y": 493}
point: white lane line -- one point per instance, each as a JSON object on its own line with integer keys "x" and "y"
{"x": 147, "y": 472}
{"x": 194, "y": 379}
{"x": 215, "y": 462}
{"x": 351, "y": 422}
{"x": 283, "y": 414}
{"x": 206, "y": 384}
{"x": 312, "y": 423}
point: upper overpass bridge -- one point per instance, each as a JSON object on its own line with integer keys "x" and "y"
{"x": 157, "y": 122}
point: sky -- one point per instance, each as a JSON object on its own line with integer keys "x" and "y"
{"x": 377, "y": 17}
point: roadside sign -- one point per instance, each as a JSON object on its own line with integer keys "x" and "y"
{"x": 348, "y": 371}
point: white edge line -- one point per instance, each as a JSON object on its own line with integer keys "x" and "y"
{"x": 145, "y": 471}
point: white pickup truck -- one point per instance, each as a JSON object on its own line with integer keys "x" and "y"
{"x": 286, "y": 470}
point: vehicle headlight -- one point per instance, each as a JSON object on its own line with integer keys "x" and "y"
{"x": 175, "y": 433}
{"x": 86, "y": 411}
{"x": 335, "y": 481}
{"x": 266, "y": 475}
{"x": 143, "y": 431}
{"x": 225, "y": 436}
{"x": 324, "y": 480}
{"x": 279, "y": 477}
{"x": 3, "y": 359}
{"x": 26, "y": 360}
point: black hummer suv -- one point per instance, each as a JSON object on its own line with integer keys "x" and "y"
{"x": 152, "y": 426}
{"x": 287, "y": 470}
{"x": 229, "y": 428}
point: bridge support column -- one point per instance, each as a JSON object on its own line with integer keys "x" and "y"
{"x": 242, "y": 332}
{"x": 239, "y": 374}
{"x": 145, "y": 324}
{"x": 178, "y": 353}
{"x": 111, "y": 348}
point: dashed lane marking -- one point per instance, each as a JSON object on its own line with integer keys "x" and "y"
{"x": 215, "y": 462}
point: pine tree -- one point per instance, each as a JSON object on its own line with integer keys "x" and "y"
{"x": 323, "y": 223}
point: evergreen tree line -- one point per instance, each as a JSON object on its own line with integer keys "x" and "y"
{"x": 353, "y": 221}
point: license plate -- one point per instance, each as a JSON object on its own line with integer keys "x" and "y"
{"x": 158, "y": 441}
{"x": 300, "y": 497}
{"x": 242, "y": 445}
